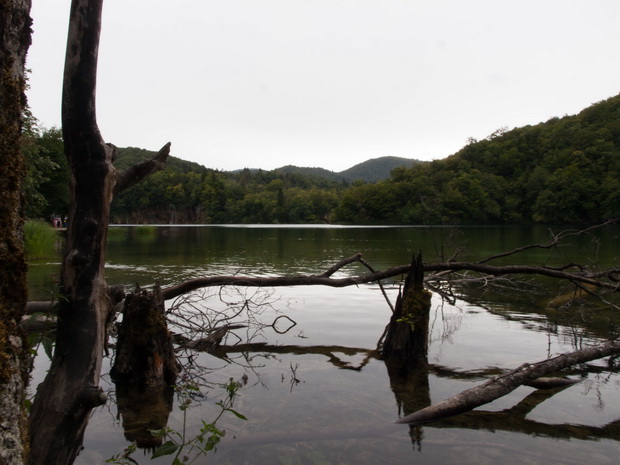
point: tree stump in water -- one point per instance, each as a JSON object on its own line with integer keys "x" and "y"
{"x": 144, "y": 350}
{"x": 405, "y": 348}
{"x": 145, "y": 368}
{"x": 407, "y": 336}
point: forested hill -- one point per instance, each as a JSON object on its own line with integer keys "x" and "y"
{"x": 565, "y": 170}
{"x": 376, "y": 169}
{"x": 373, "y": 170}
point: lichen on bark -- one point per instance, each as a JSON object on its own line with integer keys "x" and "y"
{"x": 15, "y": 31}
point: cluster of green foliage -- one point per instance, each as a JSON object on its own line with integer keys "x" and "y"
{"x": 190, "y": 193}
{"x": 40, "y": 240}
{"x": 46, "y": 186}
{"x": 566, "y": 170}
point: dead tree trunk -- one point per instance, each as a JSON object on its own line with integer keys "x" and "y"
{"x": 71, "y": 389}
{"x": 405, "y": 348}
{"x": 145, "y": 368}
{"x": 144, "y": 351}
{"x": 407, "y": 335}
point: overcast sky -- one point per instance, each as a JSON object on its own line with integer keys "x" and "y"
{"x": 330, "y": 83}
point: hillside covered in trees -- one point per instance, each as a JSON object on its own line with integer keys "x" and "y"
{"x": 373, "y": 170}
{"x": 565, "y": 170}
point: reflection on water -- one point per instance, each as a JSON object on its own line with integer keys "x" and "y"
{"x": 318, "y": 393}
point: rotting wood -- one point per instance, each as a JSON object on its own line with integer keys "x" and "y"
{"x": 407, "y": 334}
{"x": 144, "y": 351}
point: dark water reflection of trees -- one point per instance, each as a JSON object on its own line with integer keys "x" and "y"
{"x": 177, "y": 254}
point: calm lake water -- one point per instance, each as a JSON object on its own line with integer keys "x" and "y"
{"x": 317, "y": 393}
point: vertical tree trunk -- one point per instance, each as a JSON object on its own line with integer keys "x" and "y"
{"x": 71, "y": 389}
{"x": 144, "y": 350}
{"x": 145, "y": 368}
{"x": 405, "y": 349}
{"x": 15, "y": 31}
{"x": 407, "y": 336}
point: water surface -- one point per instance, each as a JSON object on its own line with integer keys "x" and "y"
{"x": 318, "y": 393}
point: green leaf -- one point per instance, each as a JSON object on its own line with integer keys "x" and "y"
{"x": 212, "y": 441}
{"x": 47, "y": 346}
{"x": 237, "y": 414}
{"x": 167, "y": 448}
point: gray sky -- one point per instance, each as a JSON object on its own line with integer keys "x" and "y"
{"x": 330, "y": 83}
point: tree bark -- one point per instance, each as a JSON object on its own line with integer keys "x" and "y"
{"x": 406, "y": 342}
{"x": 15, "y": 39}
{"x": 136, "y": 173}
{"x": 71, "y": 389}
{"x": 145, "y": 368}
{"x": 144, "y": 351}
{"x": 502, "y": 385}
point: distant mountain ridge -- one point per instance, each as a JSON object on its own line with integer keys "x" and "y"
{"x": 372, "y": 170}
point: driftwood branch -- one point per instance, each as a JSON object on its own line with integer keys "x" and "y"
{"x": 553, "y": 242}
{"x": 502, "y": 385}
{"x": 140, "y": 171}
{"x": 581, "y": 276}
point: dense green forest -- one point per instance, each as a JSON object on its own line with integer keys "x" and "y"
{"x": 565, "y": 170}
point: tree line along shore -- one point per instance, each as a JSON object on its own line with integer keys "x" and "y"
{"x": 562, "y": 171}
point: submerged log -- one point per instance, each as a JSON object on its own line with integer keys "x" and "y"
{"x": 504, "y": 384}
{"x": 144, "y": 350}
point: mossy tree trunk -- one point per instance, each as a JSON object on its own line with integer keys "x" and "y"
{"x": 15, "y": 36}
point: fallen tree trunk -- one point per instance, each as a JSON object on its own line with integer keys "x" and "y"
{"x": 608, "y": 278}
{"x": 502, "y": 385}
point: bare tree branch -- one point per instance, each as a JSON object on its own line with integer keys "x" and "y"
{"x": 323, "y": 279}
{"x": 279, "y": 281}
{"x": 582, "y": 276}
{"x": 554, "y": 241}
{"x": 140, "y": 171}
{"x": 502, "y": 385}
